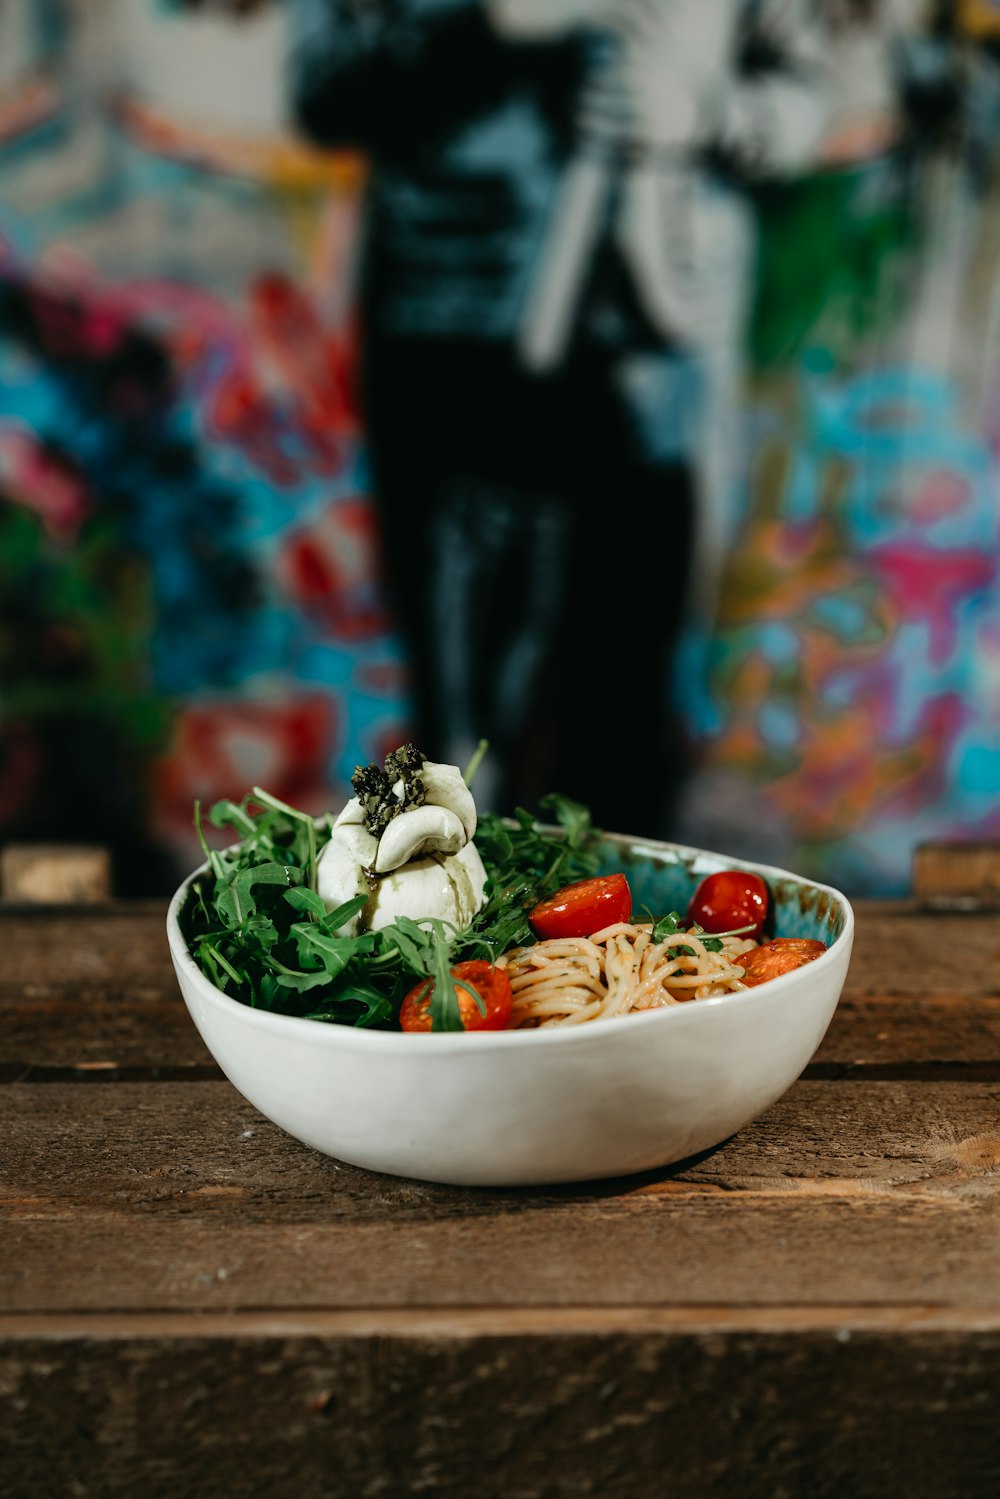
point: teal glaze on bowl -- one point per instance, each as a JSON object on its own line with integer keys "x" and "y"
{"x": 663, "y": 878}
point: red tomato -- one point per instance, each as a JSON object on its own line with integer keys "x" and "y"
{"x": 729, "y": 900}
{"x": 491, "y": 983}
{"x": 779, "y": 956}
{"x": 580, "y": 909}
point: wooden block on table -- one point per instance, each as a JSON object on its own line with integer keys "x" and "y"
{"x": 55, "y": 873}
{"x": 957, "y": 876}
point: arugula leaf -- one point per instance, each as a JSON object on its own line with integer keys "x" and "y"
{"x": 332, "y": 954}
{"x": 571, "y": 816}
{"x": 235, "y": 903}
{"x": 307, "y": 823}
{"x": 229, "y": 814}
{"x": 667, "y": 926}
{"x": 211, "y": 955}
{"x": 212, "y": 857}
{"x": 300, "y": 982}
{"x": 672, "y": 923}
{"x": 304, "y": 899}
{"x": 444, "y": 1007}
{"x": 364, "y": 1006}
{"x": 410, "y": 941}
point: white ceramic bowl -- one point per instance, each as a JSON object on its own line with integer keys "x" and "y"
{"x": 512, "y": 1108}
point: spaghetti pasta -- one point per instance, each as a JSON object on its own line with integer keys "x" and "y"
{"x": 617, "y": 971}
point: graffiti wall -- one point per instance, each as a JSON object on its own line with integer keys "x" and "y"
{"x": 327, "y": 326}
{"x": 190, "y": 601}
{"x": 849, "y": 701}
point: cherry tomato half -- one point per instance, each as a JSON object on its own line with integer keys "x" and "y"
{"x": 580, "y": 909}
{"x": 492, "y": 984}
{"x": 729, "y": 900}
{"x": 779, "y": 956}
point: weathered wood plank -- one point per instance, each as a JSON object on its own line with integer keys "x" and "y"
{"x": 43, "y": 873}
{"x": 703, "y": 1410}
{"x": 93, "y": 995}
{"x": 957, "y": 876}
{"x": 489, "y": 1322}
{"x": 182, "y": 1196}
{"x": 682, "y": 1251}
{"x": 902, "y": 1033}
{"x": 157, "y": 1146}
{"x": 119, "y": 945}
{"x": 92, "y": 991}
{"x": 88, "y": 1033}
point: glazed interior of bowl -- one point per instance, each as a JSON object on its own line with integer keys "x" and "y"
{"x": 663, "y": 877}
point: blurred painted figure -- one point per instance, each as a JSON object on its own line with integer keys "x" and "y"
{"x": 555, "y": 269}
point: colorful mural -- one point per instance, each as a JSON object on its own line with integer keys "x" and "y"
{"x": 850, "y": 706}
{"x": 191, "y": 599}
{"x": 191, "y": 565}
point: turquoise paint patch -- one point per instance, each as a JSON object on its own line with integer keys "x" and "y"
{"x": 844, "y": 615}
{"x": 779, "y": 725}
{"x": 979, "y": 770}
{"x": 779, "y": 643}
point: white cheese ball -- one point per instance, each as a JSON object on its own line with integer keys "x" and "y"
{"x": 449, "y": 888}
{"x": 340, "y": 870}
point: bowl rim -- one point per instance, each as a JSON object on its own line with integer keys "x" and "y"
{"x": 438, "y": 1042}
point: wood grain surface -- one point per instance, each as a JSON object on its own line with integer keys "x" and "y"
{"x": 193, "y": 1303}
{"x": 617, "y": 1412}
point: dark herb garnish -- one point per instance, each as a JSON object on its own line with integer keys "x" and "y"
{"x": 374, "y": 786}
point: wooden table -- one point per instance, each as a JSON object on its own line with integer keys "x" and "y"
{"x": 195, "y": 1304}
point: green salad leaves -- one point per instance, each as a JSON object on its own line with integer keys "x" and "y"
{"x": 259, "y": 931}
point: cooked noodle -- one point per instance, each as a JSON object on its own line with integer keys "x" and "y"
{"x": 617, "y": 970}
